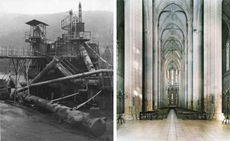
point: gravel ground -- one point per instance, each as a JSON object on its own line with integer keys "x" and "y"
{"x": 19, "y": 123}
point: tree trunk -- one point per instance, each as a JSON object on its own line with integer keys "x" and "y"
{"x": 96, "y": 126}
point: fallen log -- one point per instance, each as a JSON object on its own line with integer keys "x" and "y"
{"x": 96, "y": 126}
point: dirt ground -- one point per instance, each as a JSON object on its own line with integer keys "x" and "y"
{"x": 19, "y": 123}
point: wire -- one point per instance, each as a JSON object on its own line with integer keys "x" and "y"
{"x": 82, "y": 104}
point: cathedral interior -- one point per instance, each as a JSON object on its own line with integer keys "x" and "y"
{"x": 173, "y": 65}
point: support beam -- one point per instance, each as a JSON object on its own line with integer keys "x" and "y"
{"x": 82, "y": 104}
{"x": 61, "y": 98}
{"x": 45, "y": 70}
{"x": 66, "y": 78}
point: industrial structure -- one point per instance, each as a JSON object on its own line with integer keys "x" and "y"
{"x": 64, "y": 76}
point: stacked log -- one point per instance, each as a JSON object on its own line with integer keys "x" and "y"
{"x": 96, "y": 126}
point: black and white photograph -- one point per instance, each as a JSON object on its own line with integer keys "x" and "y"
{"x": 56, "y": 70}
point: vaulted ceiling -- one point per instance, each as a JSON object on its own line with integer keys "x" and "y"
{"x": 172, "y": 35}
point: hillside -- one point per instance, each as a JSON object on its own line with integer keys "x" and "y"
{"x": 13, "y": 27}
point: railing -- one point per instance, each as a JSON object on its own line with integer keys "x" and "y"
{"x": 29, "y": 36}
{"x": 86, "y": 35}
{"x": 5, "y": 51}
{"x": 65, "y": 23}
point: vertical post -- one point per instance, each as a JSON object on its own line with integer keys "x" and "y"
{"x": 80, "y": 13}
{"x": 27, "y": 74}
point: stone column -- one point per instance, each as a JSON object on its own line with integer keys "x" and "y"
{"x": 190, "y": 66}
{"x": 133, "y": 58}
{"x": 156, "y": 54}
{"x": 188, "y": 58}
{"x": 148, "y": 54}
{"x": 197, "y": 54}
{"x": 213, "y": 57}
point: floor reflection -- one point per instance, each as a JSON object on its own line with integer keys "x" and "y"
{"x": 173, "y": 129}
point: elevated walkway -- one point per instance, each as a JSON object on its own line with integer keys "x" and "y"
{"x": 14, "y": 53}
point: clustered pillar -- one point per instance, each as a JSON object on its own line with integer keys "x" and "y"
{"x": 133, "y": 58}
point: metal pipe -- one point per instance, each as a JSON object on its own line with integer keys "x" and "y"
{"x": 86, "y": 58}
{"x": 85, "y": 74}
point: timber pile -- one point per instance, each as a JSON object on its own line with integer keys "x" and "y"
{"x": 96, "y": 126}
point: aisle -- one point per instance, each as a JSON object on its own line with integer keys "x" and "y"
{"x": 171, "y": 119}
{"x": 173, "y": 129}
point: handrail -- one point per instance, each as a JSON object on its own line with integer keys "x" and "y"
{"x": 6, "y": 51}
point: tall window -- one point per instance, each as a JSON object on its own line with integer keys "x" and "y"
{"x": 172, "y": 74}
{"x": 172, "y": 77}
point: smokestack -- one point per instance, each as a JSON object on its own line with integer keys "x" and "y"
{"x": 80, "y": 12}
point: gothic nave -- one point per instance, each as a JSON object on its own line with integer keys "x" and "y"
{"x": 173, "y": 65}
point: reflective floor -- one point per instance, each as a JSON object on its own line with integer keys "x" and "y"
{"x": 173, "y": 129}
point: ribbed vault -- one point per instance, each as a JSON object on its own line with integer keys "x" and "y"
{"x": 172, "y": 27}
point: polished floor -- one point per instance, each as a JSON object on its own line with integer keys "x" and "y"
{"x": 173, "y": 129}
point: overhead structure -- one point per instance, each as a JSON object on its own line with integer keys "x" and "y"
{"x": 66, "y": 71}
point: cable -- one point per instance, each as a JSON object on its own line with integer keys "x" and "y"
{"x": 82, "y": 104}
